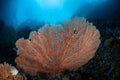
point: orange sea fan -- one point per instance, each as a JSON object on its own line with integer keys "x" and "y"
{"x": 51, "y": 50}
{"x": 5, "y": 73}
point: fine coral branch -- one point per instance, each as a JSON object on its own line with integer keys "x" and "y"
{"x": 51, "y": 50}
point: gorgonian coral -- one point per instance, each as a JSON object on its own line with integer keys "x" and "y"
{"x": 53, "y": 49}
{"x": 6, "y": 74}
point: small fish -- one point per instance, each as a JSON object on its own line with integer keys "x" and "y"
{"x": 118, "y": 37}
{"x": 75, "y": 31}
{"x": 14, "y": 71}
{"x": 107, "y": 42}
{"x": 15, "y": 49}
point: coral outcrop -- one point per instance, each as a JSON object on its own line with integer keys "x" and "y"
{"x": 5, "y": 73}
{"x": 53, "y": 49}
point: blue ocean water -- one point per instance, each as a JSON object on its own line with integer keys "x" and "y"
{"x": 16, "y": 12}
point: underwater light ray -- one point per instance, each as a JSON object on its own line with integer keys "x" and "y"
{"x": 48, "y": 11}
{"x": 51, "y": 4}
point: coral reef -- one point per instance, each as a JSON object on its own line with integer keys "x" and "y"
{"x": 5, "y": 73}
{"x": 57, "y": 48}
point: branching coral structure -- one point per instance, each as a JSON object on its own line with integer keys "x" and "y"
{"x": 53, "y": 49}
{"x": 5, "y": 73}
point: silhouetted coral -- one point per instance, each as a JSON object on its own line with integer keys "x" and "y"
{"x": 55, "y": 49}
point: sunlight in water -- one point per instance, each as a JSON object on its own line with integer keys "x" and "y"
{"x": 51, "y": 3}
{"x": 48, "y": 11}
{"x": 96, "y": 1}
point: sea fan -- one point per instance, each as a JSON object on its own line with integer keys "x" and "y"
{"x": 53, "y": 49}
{"x": 5, "y": 73}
